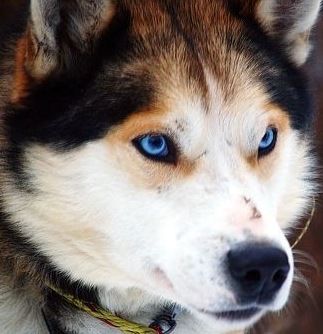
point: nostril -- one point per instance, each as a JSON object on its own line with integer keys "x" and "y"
{"x": 246, "y": 277}
{"x": 280, "y": 275}
{"x": 252, "y": 276}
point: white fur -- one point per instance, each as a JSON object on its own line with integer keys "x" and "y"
{"x": 19, "y": 315}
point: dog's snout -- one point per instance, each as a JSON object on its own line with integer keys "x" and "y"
{"x": 258, "y": 272}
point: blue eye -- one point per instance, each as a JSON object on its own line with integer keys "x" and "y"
{"x": 268, "y": 141}
{"x": 155, "y": 147}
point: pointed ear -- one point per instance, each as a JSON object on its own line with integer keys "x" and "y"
{"x": 60, "y": 32}
{"x": 287, "y": 21}
{"x": 290, "y": 21}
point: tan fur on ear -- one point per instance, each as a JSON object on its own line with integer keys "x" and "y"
{"x": 61, "y": 30}
{"x": 290, "y": 21}
{"x": 21, "y": 80}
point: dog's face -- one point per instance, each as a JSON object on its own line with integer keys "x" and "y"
{"x": 178, "y": 164}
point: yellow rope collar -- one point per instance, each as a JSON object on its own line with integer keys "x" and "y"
{"x": 306, "y": 226}
{"x": 164, "y": 324}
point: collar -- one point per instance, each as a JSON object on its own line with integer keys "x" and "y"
{"x": 306, "y": 226}
{"x": 164, "y": 323}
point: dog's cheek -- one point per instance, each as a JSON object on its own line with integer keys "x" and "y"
{"x": 292, "y": 184}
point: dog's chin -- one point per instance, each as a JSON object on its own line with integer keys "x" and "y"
{"x": 234, "y": 319}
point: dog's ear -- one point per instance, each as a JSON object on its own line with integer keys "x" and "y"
{"x": 288, "y": 21}
{"x": 60, "y": 32}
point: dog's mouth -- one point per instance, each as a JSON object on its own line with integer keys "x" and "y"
{"x": 235, "y": 315}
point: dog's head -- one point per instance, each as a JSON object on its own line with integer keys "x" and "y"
{"x": 163, "y": 145}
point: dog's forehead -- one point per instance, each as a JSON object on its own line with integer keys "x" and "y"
{"x": 190, "y": 36}
{"x": 199, "y": 46}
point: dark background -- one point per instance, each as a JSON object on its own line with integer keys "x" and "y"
{"x": 304, "y": 314}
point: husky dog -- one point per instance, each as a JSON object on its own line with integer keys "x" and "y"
{"x": 154, "y": 154}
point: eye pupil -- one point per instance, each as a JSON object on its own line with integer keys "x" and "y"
{"x": 156, "y": 143}
{"x": 268, "y": 141}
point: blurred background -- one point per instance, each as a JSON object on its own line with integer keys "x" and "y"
{"x": 304, "y": 314}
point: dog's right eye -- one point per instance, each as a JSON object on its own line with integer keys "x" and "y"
{"x": 156, "y": 147}
{"x": 268, "y": 141}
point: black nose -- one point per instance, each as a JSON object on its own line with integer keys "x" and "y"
{"x": 258, "y": 272}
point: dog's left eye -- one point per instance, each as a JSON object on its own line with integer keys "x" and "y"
{"x": 268, "y": 141}
{"x": 155, "y": 147}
